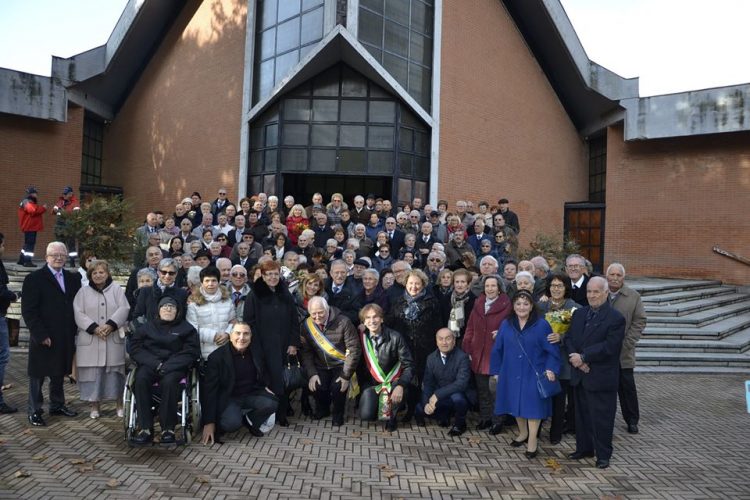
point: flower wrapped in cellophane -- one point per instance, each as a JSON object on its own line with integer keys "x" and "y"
{"x": 560, "y": 320}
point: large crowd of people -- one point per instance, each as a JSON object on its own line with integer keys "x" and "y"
{"x": 413, "y": 313}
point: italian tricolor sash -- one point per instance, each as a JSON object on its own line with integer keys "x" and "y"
{"x": 322, "y": 341}
{"x": 373, "y": 365}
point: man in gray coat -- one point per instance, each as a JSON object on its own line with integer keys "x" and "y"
{"x": 628, "y": 303}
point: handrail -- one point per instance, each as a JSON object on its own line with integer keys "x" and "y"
{"x": 733, "y": 256}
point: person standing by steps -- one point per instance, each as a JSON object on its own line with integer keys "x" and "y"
{"x": 30, "y": 221}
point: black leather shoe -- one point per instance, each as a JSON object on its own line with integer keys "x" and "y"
{"x": 407, "y": 418}
{"x": 518, "y": 444}
{"x": 496, "y": 429}
{"x": 391, "y": 425}
{"x": 337, "y": 420}
{"x": 532, "y": 454}
{"x": 251, "y": 427}
{"x": 167, "y": 437}
{"x": 444, "y": 423}
{"x": 6, "y": 408}
{"x": 419, "y": 419}
{"x": 554, "y": 440}
{"x": 64, "y": 411}
{"x": 36, "y": 419}
{"x": 457, "y": 430}
{"x": 484, "y": 424}
{"x": 602, "y": 464}
{"x": 632, "y": 428}
{"x": 282, "y": 421}
{"x": 577, "y": 455}
{"x": 144, "y": 438}
{"x": 321, "y": 413}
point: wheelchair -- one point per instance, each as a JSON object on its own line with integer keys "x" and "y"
{"x": 188, "y": 407}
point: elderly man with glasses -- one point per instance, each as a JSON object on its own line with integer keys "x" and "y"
{"x": 148, "y": 299}
{"x": 220, "y": 203}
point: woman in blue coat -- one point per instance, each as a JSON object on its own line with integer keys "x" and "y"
{"x": 517, "y": 393}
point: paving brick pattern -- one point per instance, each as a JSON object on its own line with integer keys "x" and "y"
{"x": 693, "y": 444}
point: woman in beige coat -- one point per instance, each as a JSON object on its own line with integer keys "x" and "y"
{"x": 100, "y": 310}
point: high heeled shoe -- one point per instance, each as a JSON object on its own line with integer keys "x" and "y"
{"x": 518, "y": 444}
{"x": 532, "y": 454}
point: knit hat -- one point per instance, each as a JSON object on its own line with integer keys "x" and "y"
{"x": 31, "y": 190}
{"x": 67, "y": 190}
{"x": 167, "y": 300}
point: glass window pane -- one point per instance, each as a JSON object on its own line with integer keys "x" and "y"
{"x": 297, "y": 109}
{"x": 406, "y": 140}
{"x": 376, "y": 53}
{"x": 312, "y": 26}
{"x": 269, "y": 164}
{"x": 324, "y": 135}
{"x": 327, "y": 84}
{"x": 396, "y": 38}
{"x": 420, "y": 190}
{"x": 397, "y": 67}
{"x": 404, "y": 191}
{"x": 351, "y": 160}
{"x": 410, "y": 119}
{"x": 420, "y": 83}
{"x": 285, "y": 63}
{"x": 422, "y": 143}
{"x": 352, "y": 136}
{"x": 293, "y": 159}
{"x": 269, "y": 184}
{"x": 267, "y": 44}
{"x": 288, "y": 8}
{"x": 325, "y": 110}
{"x": 323, "y": 160}
{"x": 404, "y": 164}
{"x": 420, "y": 49}
{"x": 382, "y": 111}
{"x": 267, "y": 13}
{"x": 304, "y": 50}
{"x": 376, "y": 5}
{"x": 353, "y": 84}
{"x": 398, "y": 10}
{"x": 295, "y": 134}
{"x": 272, "y": 135}
{"x": 377, "y": 91}
{"x": 421, "y": 17}
{"x": 265, "y": 78}
{"x": 380, "y": 137}
{"x": 370, "y": 28}
{"x": 309, "y": 4}
{"x": 256, "y": 138}
{"x": 380, "y": 162}
{"x": 256, "y": 161}
{"x": 421, "y": 167}
{"x": 353, "y": 111}
{"x": 287, "y": 35}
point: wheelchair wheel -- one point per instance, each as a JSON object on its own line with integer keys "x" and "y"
{"x": 128, "y": 407}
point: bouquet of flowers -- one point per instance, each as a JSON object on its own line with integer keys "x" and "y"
{"x": 560, "y": 320}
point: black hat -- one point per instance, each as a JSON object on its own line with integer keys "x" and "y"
{"x": 167, "y": 300}
{"x": 434, "y": 213}
{"x": 370, "y": 196}
{"x": 202, "y": 253}
{"x": 67, "y": 190}
{"x": 31, "y": 190}
{"x": 362, "y": 262}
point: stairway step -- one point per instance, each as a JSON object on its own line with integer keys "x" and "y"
{"x": 684, "y": 296}
{"x": 713, "y": 331}
{"x": 737, "y": 343}
{"x": 655, "y": 286}
{"x": 691, "y": 306}
{"x": 700, "y": 318}
{"x": 692, "y": 369}
{"x": 674, "y": 359}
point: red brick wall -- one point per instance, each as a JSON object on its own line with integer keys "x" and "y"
{"x": 670, "y": 201}
{"x": 42, "y": 153}
{"x": 504, "y": 132}
{"x": 179, "y": 130}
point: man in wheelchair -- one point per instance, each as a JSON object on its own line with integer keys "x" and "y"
{"x": 164, "y": 349}
{"x": 234, "y": 387}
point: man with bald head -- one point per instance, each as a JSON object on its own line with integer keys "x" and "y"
{"x": 594, "y": 341}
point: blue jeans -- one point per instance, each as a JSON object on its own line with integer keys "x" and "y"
{"x": 4, "y": 353}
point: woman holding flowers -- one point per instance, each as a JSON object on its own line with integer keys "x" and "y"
{"x": 296, "y": 222}
{"x": 558, "y": 312}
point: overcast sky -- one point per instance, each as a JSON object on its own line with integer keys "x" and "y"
{"x": 672, "y": 45}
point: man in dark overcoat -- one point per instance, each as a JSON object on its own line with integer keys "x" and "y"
{"x": 47, "y": 309}
{"x": 594, "y": 341}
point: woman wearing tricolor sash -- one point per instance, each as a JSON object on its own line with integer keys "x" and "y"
{"x": 386, "y": 369}
{"x": 330, "y": 354}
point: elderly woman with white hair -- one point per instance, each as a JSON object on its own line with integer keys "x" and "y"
{"x": 330, "y": 353}
{"x": 372, "y": 292}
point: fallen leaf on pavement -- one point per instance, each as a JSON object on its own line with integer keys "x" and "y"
{"x": 39, "y": 457}
{"x": 390, "y": 474}
{"x": 475, "y": 440}
{"x": 356, "y": 434}
{"x": 86, "y": 468}
{"x": 384, "y": 467}
{"x": 203, "y": 479}
{"x": 553, "y": 464}
{"x": 113, "y": 483}
{"x": 77, "y": 461}
{"x": 254, "y": 471}
{"x": 27, "y": 432}
{"x": 6, "y": 387}
{"x": 22, "y": 473}
{"x": 306, "y": 441}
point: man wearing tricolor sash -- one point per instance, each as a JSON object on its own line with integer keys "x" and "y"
{"x": 386, "y": 371}
{"x": 330, "y": 354}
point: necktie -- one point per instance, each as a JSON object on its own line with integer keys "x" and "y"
{"x": 426, "y": 239}
{"x": 336, "y": 289}
{"x": 390, "y": 235}
{"x": 236, "y": 297}
{"x": 60, "y": 280}
{"x": 442, "y": 356}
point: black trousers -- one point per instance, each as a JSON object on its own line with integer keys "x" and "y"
{"x": 329, "y": 391}
{"x": 562, "y": 415}
{"x": 486, "y": 399}
{"x": 628, "y": 397}
{"x": 169, "y": 388}
{"x": 257, "y": 406}
{"x": 457, "y": 404}
{"x": 368, "y": 404}
{"x": 56, "y": 393}
{"x": 595, "y": 420}
{"x": 29, "y": 242}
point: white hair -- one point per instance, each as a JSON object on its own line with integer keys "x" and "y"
{"x": 599, "y": 279}
{"x": 525, "y": 274}
{"x": 540, "y": 263}
{"x": 318, "y": 300}
{"x": 618, "y": 266}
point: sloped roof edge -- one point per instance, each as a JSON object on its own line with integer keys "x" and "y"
{"x": 34, "y": 96}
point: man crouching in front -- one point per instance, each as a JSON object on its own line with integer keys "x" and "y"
{"x": 234, "y": 390}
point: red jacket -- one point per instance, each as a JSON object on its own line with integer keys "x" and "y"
{"x": 30, "y": 216}
{"x": 67, "y": 205}
{"x": 478, "y": 341}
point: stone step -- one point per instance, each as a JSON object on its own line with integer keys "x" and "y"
{"x": 737, "y": 343}
{"x": 700, "y": 318}
{"x": 708, "y": 370}
{"x": 684, "y": 296}
{"x": 656, "y": 286}
{"x": 692, "y": 359}
{"x": 712, "y": 331}
{"x": 692, "y": 306}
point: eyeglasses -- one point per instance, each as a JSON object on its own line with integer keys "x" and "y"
{"x": 557, "y": 285}
{"x": 435, "y": 260}
{"x": 167, "y": 273}
{"x": 221, "y": 239}
{"x": 239, "y": 275}
{"x": 58, "y": 255}
{"x": 223, "y": 194}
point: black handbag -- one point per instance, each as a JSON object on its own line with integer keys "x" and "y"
{"x": 544, "y": 387}
{"x": 294, "y": 378}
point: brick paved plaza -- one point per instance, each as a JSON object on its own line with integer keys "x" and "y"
{"x": 694, "y": 443}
